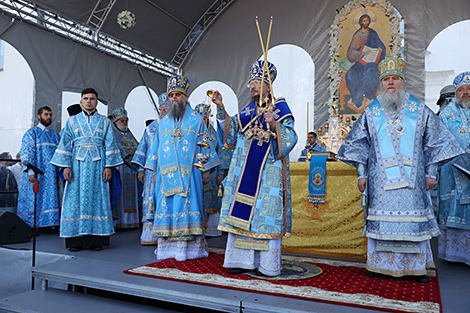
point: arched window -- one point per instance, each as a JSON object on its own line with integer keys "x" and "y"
{"x": 446, "y": 57}
{"x": 296, "y": 82}
{"x": 17, "y": 85}
{"x": 140, "y": 108}
{"x": 199, "y": 95}
{"x": 69, "y": 98}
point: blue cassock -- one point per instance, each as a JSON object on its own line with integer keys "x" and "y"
{"x": 138, "y": 163}
{"x": 87, "y": 148}
{"x": 179, "y": 190}
{"x": 454, "y": 184}
{"x": 38, "y": 147}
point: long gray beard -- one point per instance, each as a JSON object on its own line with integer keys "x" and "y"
{"x": 177, "y": 110}
{"x": 465, "y": 104}
{"x": 392, "y": 102}
{"x": 122, "y": 128}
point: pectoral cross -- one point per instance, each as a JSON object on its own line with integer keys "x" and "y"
{"x": 247, "y": 111}
{"x": 176, "y": 133}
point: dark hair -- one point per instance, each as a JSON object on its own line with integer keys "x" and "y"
{"x": 89, "y": 90}
{"x": 363, "y": 17}
{"x": 313, "y": 133}
{"x": 4, "y": 155}
{"x": 44, "y": 108}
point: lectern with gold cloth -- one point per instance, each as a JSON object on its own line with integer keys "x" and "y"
{"x": 331, "y": 228}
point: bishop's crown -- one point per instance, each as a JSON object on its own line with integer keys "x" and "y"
{"x": 256, "y": 72}
{"x": 392, "y": 66}
{"x": 178, "y": 83}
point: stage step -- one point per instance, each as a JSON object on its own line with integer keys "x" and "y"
{"x": 109, "y": 277}
{"x": 59, "y": 301}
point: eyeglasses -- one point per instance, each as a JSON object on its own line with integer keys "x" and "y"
{"x": 253, "y": 83}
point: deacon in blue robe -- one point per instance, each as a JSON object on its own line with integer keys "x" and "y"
{"x": 256, "y": 206}
{"x": 87, "y": 151}
{"x": 454, "y": 181}
{"x": 396, "y": 146}
{"x": 37, "y": 147}
{"x": 180, "y": 219}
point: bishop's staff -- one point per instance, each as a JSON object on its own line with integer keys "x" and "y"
{"x": 270, "y": 105}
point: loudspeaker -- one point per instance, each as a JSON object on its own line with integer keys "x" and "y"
{"x": 13, "y": 229}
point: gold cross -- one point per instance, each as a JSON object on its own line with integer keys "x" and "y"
{"x": 166, "y": 132}
{"x": 189, "y": 130}
{"x": 176, "y": 133}
{"x": 247, "y": 111}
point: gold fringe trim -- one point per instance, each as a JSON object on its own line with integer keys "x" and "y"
{"x": 245, "y": 199}
{"x": 239, "y": 223}
{"x": 249, "y": 234}
{"x": 175, "y": 191}
{"x": 169, "y": 170}
{"x": 251, "y": 244}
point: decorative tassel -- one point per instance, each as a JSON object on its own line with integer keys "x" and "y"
{"x": 221, "y": 191}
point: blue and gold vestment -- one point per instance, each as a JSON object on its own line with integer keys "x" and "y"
{"x": 256, "y": 203}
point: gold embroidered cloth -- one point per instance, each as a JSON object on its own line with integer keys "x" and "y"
{"x": 333, "y": 228}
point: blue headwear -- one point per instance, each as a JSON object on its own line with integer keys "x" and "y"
{"x": 118, "y": 114}
{"x": 256, "y": 72}
{"x": 163, "y": 98}
{"x": 203, "y": 109}
{"x": 178, "y": 83}
{"x": 462, "y": 79}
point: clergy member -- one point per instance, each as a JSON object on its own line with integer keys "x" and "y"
{"x": 256, "y": 206}
{"x": 37, "y": 148}
{"x": 180, "y": 219}
{"x": 146, "y": 176}
{"x": 396, "y": 146}
{"x": 126, "y": 211}
{"x": 87, "y": 151}
{"x": 454, "y": 184}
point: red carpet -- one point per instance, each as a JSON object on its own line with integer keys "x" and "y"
{"x": 342, "y": 282}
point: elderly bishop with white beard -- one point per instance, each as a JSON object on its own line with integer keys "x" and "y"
{"x": 396, "y": 146}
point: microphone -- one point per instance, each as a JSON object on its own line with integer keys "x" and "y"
{"x": 33, "y": 168}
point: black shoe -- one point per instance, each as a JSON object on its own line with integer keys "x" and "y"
{"x": 423, "y": 279}
{"x": 372, "y": 274}
{"x": 75, "y": 249}
{"x": 259, "y": 274}
{"x": 96, "y": 248}
{"x": 238, "y": 271}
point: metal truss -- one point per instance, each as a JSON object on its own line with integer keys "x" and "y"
{"x": 31, "y": 14}
{"x": 98, "y": 16}
{"x": 195, "y": 34}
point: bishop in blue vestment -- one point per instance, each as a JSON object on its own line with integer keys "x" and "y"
{"x": 182, "y": 165}
{"x": 454, "y": 180}
{"x": 397, "y": 145}
{"x": 256, "y": 206}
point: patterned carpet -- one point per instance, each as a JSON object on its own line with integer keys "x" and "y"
{"x": 339, "y": 282}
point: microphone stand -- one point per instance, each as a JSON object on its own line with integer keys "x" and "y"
{"x": 37, "y": 172}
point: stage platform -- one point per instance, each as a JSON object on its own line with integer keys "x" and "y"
{"x": 93, "y": 281}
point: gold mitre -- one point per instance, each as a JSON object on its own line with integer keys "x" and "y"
{"x": 392, "y": 66}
